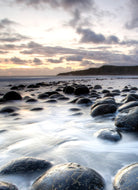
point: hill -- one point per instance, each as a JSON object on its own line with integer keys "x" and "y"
{"x": 105, "y": 70}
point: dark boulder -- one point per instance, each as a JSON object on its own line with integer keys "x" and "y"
{"x": 9, "y": 109}
{"x": 75, "y": 109}
{"x": 129, "y": 121}
{"x": 97, "y": 87}
{"x": 37, "y": 109}
{"x": 51, "y": 101}
{"x": 105, "y": 100}
{"x": 127, "y": 178}
{"x": 80, "y": 90}
{"x": 128, "y": 105}
{"x": 43, "y": 96}
{"x": 129, "y": 98}
{"x": 103, "y": 109}
{"x": 68, "y": 90}
{"x": 25, "y": 165}
{"x": 31, "y": 100}
{"x": 84, "y": 101}
{"x": 7, "y": 186}
{"x": 69, "y": 176}
{"x": 108, "y": 134}
{"x": 12, "y": 95}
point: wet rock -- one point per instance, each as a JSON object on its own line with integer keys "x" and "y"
{"x": 105, "y": 100}
{"x": 55, "y": 96}
{"x": 52, "y": 93}
{"x": 7, "y": 186}
{"x": 103, "y": 109}
{"x": 105, "y": 91}
{"x": 43, "y": 96}
{"x": 116, "y": 91}
{"x": 74, "y": 101}
{"x": 125, "y": 90}
{"x": 80, "y": 90}
{"x": 97, "y": 87}
{"x": 63, "y": 98}
{"x": 37, "y": 109}
{"x": 129, "y": 98}
{"x": 12, "y": 95}
{"x": 75, "y": 109}
{"x": 9, "y": 109}
{"x": 84, "y": 101}
{"x": 127, "y": 178}
{"x": 129, "y": 121}
{"x": 128, "y": 105}
{"x": 25, "y": 165}
{"x": 33, "y": 86}
{"x": 69, "y": 176}
{"x": 77, "y": 114}
{"x": 108, "y": 134}
{"x": 31, "y": 100}
{"x": 51, "y": 101}
{"x": 68, "y": 90}
{"x": 134, "y": 88}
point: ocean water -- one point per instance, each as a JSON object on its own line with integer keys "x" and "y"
{"x": 56, "y": 135}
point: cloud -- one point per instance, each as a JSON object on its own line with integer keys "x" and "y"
{"x": 89, "y": 36}
{"x": 12, "y": 37}
{"x": 55, "y": 60}
{"x": 18, "y": 61}
{"x": 4, "y": 23}
{"x": 66, "y": 4}
{"x": 133, "y": 22}
{"x": 37, "y": 61}
{"x": 87, "y": 63}
{"x": 74, "y": 58}
{"x": 3, "y": 52}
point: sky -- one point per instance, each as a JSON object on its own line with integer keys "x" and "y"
{"x": 47, "y": 37}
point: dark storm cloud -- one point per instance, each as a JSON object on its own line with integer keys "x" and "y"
{"x": 133, "y": 21}
{"x": 89, "y": 36}
{"x": 17, "y": 60}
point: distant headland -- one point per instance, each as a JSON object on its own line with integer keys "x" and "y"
{"x": 105, "y": 70}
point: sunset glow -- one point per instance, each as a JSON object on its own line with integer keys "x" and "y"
{"x": 62, "y": 35}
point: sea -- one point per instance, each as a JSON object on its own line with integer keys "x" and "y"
{"x": 60, "y": 136}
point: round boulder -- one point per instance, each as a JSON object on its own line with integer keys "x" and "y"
{"x": 9, "y": 109}
{"x": 84, "y": 101}
{"x": 128, "y": 122}
{"x": 25, "y": 165}
{"x": 103, "y": 109}
{"x": 80, "y": 90}
{"x": 68, "y": 90}
{"x": 12, "y": 95}
{"x": 69, "y": 176}
{"x": 7, "y": 186}
{"x": 127, "y": 178}
{"x": 108, "y": 134}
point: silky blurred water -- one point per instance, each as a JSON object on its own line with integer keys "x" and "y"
{"x": 56, "y": 135}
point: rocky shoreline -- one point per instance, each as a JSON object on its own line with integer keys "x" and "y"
{"x": 101, "y": 104}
